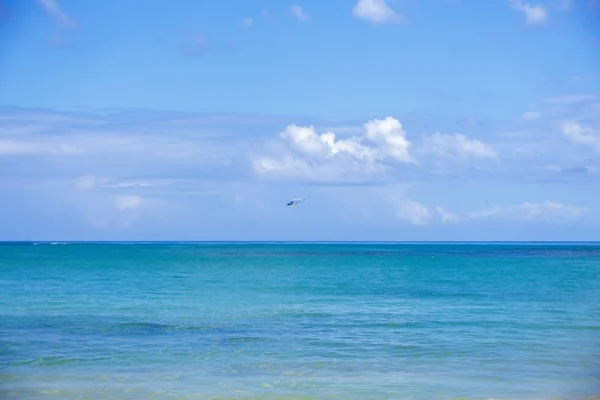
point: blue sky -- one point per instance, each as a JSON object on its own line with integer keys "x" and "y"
{"x": 396, "y": 120}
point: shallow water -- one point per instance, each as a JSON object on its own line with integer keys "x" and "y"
{"x": 299, "y": 321}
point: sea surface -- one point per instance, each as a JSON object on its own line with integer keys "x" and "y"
{"x": 299, "y": 321}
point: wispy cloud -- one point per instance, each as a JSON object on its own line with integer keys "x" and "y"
{"x": 456, "y": 146}
{"x": 42, "y": 147}
{"x": 119, "y": 169}
{"x": 128, "y": 202}
{"x": 564, "y": 5}
{"x": 265, "y": 14}
{"x": 448, "y": 217}
{"x": 299, "y": 13}
{"x": 54, "y": 10}
{"x": 198, "y": 45}
{"x": 105, "y": 209}
{"x": 469, "y": 121}
{"x": 412, "y": 212}
{"x": 376, "y": 11}
{"x": 547, "y": 211}
{"x": 534, "y": 14}
{"x": 530, "y": 116}
{"x": 246, "y": 22}
{"x": 572, "y": 98}
{"x": 581, "y": 135}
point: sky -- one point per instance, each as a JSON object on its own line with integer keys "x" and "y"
{"x": 396, "y": 120}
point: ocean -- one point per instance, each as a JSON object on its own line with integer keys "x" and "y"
{"x": 299, "y": 321}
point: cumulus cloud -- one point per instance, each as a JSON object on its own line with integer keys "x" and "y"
{"x": 548, "y": 211}
{"x": 581, "y": 135}
{"x": 381, "y": 147}
{"x": 303, "y": 152}
{"x": 375, "y": 11}
{"x": 122, "y": 169}
{"x": 390, "y": 138}
{"x": 534, "y": 14}
{"x": 299, "y": 13}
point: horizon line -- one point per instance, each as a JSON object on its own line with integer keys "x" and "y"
{"x": 298, "y": 241}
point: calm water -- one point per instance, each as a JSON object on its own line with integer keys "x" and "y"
{"x": 299, "y": 321}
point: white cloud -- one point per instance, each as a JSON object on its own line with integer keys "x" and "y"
{"x": 100, "y": 201}
{"x": 140, "y": 184}
{"x": 98, "y": 182}
{"x": 306, "y": 139}
{"x": 89, "y": 182}
{"x": 534, "y": 14}
{"x": 389, "y": 135}
{"x": 21, "y": 147}
{"x": 448, "y": 217}
{"x": 376, "y": 11}
{"x": 290, "y": 167}
{"x": 548, "y": 211}
{"x": 572, "y": 169}
{"x": 456, "y": 146}
{"x": 413, "y": 212}
{"x": 311, "y": 155}
{"x": 388, "y": 204}
{"x": 128, "y": 202}
{"x": 572, "y": 98}
{"x": 138, "y": 168}
{"x": 112, "y": 211}
{"x": 580, "y": 135}
{"x": 174, "y": 142}
{"x": 417, "y": 213}
{"x": 299, "y": 13}
{"x": 53, "y": 9}
{"x": 382, "y": 146}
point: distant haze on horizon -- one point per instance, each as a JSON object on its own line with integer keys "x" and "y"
{"x": 437, "y": 120}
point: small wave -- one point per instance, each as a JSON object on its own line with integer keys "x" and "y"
{"x": 249, "y": 339}
{"x": 50, "y": 361}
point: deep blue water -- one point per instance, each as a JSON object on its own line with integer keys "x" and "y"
{"x": 299, "y": 321}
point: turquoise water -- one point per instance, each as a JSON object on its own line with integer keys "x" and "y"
{"x": 299, "y": 321}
